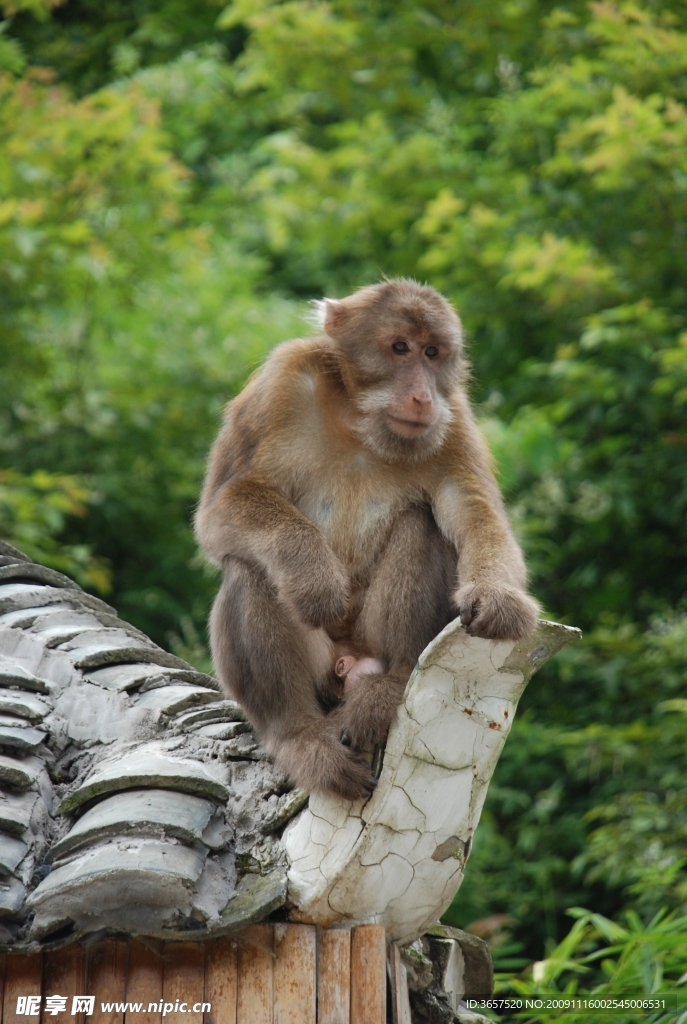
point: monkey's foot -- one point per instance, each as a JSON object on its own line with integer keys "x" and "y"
{"x": 369, "y": 709}
{"x": 317, "y": 761}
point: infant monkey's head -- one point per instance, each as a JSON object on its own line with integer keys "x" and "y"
{"x": 344, "y": 665}
{"x": 352, "y": 669}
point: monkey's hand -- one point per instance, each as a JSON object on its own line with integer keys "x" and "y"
{"x": 496, "y": 611}
{"x": 320, "y": 590}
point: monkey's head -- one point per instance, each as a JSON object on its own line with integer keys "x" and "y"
{"x": 398, "y": 348}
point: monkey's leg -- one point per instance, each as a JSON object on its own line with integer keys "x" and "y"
{"x": 271, "y": 662}
{"x": 406, "y": 605}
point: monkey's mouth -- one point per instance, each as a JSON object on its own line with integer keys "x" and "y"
{"x": 408, "y": 427}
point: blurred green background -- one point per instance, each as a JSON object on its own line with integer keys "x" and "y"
{"x": 178, "y": 178}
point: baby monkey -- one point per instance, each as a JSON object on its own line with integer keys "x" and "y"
{"x": 351, "y": 505}
{"x": 352, "y": 669}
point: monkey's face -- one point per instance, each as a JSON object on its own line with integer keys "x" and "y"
{"x": 401, "y": 398}
{"x": 399, "y": 353}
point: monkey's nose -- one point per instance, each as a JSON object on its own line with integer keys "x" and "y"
{"x": 421, "y": 408}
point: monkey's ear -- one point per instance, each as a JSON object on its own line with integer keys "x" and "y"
{"x": 334, "y": 316}
{"x": 328, "y": 314}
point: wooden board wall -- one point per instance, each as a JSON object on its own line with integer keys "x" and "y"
{"x": 266, "y": 974}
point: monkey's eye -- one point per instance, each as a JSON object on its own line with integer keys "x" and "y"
{"x": 400, "y": 347}
{"x": 431, "y": 351}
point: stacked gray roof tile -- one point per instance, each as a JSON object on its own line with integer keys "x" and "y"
{"x": 133, "y": 795}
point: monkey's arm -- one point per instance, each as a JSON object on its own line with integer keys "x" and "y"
{"x": 492, "y": 593}
{"x": 249, "y": 520}
{"x": 244, "y": 512}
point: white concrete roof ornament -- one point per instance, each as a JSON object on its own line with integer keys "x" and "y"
{"x": 134, "y": 797}
{"x": 398, "y": 859}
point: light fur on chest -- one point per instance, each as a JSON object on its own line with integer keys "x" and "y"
{"x": 353, "y": 504}
{"x": 338, "y": 485}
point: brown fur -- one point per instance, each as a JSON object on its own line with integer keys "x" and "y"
{"x": 349, "y": 499}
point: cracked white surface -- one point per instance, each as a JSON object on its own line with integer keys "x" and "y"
{"x": 399, "y": 858}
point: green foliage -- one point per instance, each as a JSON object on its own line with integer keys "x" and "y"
{"x": 591, "y": 811}
{"x": 219, "y": 164}
{"x": 124, "y": 331}
{"x": 91, "y": 42}
{"x": 33, "y": 512}
{"x": 11, "y": 56}
{"x": 607, "y": 960}
{"x": 38, "y": 8}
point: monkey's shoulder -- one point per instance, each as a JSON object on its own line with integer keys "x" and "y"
{"x": 284, "y": 385}
{"x": 293, "y": 359}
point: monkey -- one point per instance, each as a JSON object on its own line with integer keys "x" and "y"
{"x": 349, "y": 499}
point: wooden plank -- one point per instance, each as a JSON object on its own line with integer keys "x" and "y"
{"x": 295, "y": 974}
{"x": 334, "y": 976}
{"x": 221, "y": 981}
{"x": 23, "y": 976}
{"x": 107, "y": 963}
{"x": 144, "y": 980}
{"x": 255, "y": 975}
{"x": 400, "y": 1001}
{"x": 368, "y": 974}
{"x": 64, "y": 974}
{"x": 183, "y": 984}
{"x": 2, "y": 984}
